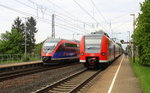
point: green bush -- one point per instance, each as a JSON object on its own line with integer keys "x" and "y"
{"x": 141, "y": 35}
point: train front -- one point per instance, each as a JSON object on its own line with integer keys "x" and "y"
{"x": 90, "y": 49}
{"x": 48, "y": 50}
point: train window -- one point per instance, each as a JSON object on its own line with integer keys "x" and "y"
{"x": 70, "y": 45}
{"x": 61, "y": 48}
{"x": 49, "y": 46}
{"x": 92, "y": 44}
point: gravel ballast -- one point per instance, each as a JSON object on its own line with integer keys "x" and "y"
{"x": 29, "y": 83}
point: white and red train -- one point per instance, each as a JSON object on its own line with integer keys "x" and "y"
{"x": 56, "y": 51}
{"x": 98, "y": 50}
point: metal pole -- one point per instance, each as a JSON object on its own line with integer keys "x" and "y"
{"x": 129, "y": 37}
{"x": 133, "y": 46}
{"x": 53, "y": 26}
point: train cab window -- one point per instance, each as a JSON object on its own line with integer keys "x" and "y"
{"x": 92, "y": 44}
{"x": 49, "y": 46}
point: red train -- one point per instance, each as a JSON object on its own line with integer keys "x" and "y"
{"x": 98, "y": 50}
{"x": 56, "y": 51}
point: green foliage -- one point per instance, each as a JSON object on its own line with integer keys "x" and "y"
{"x": 11, "y": 42}
{"x": 141, "y": 36}
{"x": 143, "y": 74}
{"x": 38, "y": 48}
{"x": 25, "y": 59}
{"x": 18, "y": 25}
{"x": 31, "y": 30}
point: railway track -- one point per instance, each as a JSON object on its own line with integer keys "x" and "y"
{"x": 70, "y": 84}
{"x": 19, "y": 73}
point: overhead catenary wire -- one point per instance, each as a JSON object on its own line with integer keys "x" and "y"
{"x": 122, "y": 24}
{"x": 99, "y": 12}
{"x": 44, "y": 20}
{"x": 66, "y": 29}
{"x": 68, "y": 13}
{"x": 71, "y": 24}
{"x": 40, "y": 18}
{"x": 89, "y": 14}
{"x": 47, "y": 13}
{"x": 21, "y": 12}
{"x": 18, "y": 11}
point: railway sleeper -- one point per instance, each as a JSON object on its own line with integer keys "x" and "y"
{"x": 53, "y": 91}
{"x": 65, "y": 87}
{"x": 59, "y": 89}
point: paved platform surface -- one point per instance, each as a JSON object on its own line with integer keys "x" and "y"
{"x": 117, "y": 78}
{"x": 19, "y": 64}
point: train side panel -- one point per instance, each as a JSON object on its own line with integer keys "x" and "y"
{"x": 82, "y": 48}
{"x": 103, "y": 56}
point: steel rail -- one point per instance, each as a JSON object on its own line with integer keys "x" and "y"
{"x": 23, "y": 72}
{"x": 66, "y": 85}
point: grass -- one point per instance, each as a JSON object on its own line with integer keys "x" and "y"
{"x": 143, "y": 74}
{"x": 19, "y": 61}
{"x": 9, "y": 62}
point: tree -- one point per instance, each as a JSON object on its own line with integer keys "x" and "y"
{"x": 38, "y": 48}
{"x": 13, "y": 42}
{"x": 20, "y": 27}
{"x": 31, "y": 30}
{"x": 10, "y": 42}
{"x": 141, "y": 36}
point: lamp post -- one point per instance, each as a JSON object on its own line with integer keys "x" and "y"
{"x": 133, "y": 21}
{"x": 133, "y": 46}
{"x": 129, "y": 37}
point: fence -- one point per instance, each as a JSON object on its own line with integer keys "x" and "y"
{"x": 17, "y": 57}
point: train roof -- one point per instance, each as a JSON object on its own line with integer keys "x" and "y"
{"x": 96, "y": 34}
{"x": 53, "y": 39}
{"x": 58, "y": 40}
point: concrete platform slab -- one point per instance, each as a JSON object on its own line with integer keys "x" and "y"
{"x": 117, "y": 78}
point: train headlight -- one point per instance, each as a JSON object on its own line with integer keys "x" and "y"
{"x": 81, "y": 53}
{"x": 103, "y": 54}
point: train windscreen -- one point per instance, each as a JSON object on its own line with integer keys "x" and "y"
{"x": 49, "y": 46}
{"x": 92, "y": 44}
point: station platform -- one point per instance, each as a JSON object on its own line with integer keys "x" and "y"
{"x": 19, "y": 64}
{"x": 117, "y": 78}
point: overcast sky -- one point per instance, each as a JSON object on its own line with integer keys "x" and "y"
{"x": 72, "y": 17}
